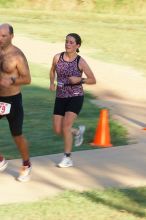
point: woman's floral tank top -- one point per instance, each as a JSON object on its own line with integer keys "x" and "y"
{"x": 64, "y": 70}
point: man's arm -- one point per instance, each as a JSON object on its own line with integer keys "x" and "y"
{"x": 23, "y": 72}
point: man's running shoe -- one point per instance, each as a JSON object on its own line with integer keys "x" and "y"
{"x": 3, "y": 165}
{"x": 24, "y": 175}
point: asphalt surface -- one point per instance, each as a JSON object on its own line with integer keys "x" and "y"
{"x": 119, "y": 167}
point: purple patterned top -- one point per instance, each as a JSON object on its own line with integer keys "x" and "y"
{"x": 65, "y": 69}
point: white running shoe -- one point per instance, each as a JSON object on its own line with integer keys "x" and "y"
{"x": 66, "y": 162}
{"x": 79, "y": 137}
{"x": 24, "y": 175}
{"x": 3, "y": 165}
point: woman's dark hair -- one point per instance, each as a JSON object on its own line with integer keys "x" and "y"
{"x": 77, "y": 39}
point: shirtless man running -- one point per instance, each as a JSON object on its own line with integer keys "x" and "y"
{"x": 14, "y": 72}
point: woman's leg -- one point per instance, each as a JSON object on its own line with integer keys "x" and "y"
{"x": 57, "y": 124}
{"x": 75, "y": 131}
{"x": 68, "y": 121}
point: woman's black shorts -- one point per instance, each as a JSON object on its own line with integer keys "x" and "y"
{"x": 70, "y": 104}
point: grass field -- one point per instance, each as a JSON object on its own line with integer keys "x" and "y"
{"x": 105, "y": 6}
{"x": 124, "y": 204}
{"x": 111, "y": 37}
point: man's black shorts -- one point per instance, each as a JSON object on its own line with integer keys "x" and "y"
{"x": 71, "y": 104}
{"x": 15, "y": 117}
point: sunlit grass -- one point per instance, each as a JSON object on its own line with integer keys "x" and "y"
{"x": 109, "y": 204}
{"x": 110, "y": 37}
{"x": 107, "y": 6}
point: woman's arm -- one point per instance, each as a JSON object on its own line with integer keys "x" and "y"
{"x": 84, "y": 67}
{"x": 52, "y": 72}
{"x": 90, "y": 78}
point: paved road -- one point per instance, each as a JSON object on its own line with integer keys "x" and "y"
{"x": 131, "y": 114}
{"x": 100, "y": 168}
{"x": 113, "y": 80}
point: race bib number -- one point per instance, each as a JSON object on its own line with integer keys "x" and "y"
{"x": 60, "y": 84}
{"x": 4, "y": 108}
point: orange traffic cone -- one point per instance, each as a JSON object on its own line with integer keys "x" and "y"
{"x": 102, "y": 134}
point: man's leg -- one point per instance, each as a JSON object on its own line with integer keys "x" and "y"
{"x": 25, "y": 171}
{"x": 22, "y": 145}
{"x": 3, "y": 162}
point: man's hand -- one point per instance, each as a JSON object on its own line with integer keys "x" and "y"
{"x": 6, "y": 82}
{"x": 74, "y": 79}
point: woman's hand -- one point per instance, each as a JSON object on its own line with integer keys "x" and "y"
{"x": 52, "y": 87}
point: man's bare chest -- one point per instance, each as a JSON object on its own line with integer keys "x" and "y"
{"x": 7, "y": 63}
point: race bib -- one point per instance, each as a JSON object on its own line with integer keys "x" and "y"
{"x": 60, "y": 84}
{"x": 5, "y": 108}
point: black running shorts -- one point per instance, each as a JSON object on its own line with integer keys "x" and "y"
{"x": 71, "y": 104}
{"x": 15, "y": 117}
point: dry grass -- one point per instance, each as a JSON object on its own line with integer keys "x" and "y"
{"x": 104, "y": 6}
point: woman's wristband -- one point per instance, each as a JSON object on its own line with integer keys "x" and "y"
{"x": 82, "y": 81}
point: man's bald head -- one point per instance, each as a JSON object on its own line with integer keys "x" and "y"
{"x": 7, "y": 26}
